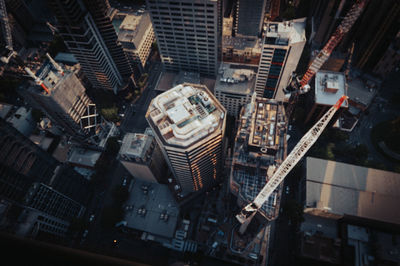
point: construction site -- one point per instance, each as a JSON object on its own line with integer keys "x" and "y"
{"x": 260, "y": 146}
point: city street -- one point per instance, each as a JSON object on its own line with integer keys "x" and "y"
{"x": 134, "y": 119}
{"x": 380, "y": 110}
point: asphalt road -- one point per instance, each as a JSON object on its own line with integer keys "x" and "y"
{"x": 380, "y": 110}
{"x": 134, "y": 119}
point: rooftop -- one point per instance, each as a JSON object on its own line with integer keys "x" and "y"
{"x": 285, "y": 33}
{"x": 151, "y": 208}
{"x": 260, "y": 146}
{"x": 135, "y": 145}
{"x": 186, "y": 114}
{"x": 241, "y": 43}
{"x": 133, "y": 27}
{"x": 342, "y": 188}
{"x": 5, "y": 109}
{"x": 329, "y": 87}
{"x": 235, "y": 80}
{"x": 83, "y": 157}
{"x": 360, "y": 92}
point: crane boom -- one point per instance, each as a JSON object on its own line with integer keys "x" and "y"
{"x": 336, "y": 37}
{"x": 293, "y": 158}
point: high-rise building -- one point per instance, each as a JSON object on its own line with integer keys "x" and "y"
{"x": 234, "y": 87}
{"x": 22, "y": 160}
{"x": 136, "y": 35}
{"x": 89, "y": 34}
{"x": 282, "y": 46}
{"x": 381, "y": 19}
{"x": 188, "y": 123}
{"x": 64, "y": 100}
{"x": 188, "y": 34}
{"x": 35, "y": 188}
{"x": 249, "y": 17}
{"x": 142, "y": 157}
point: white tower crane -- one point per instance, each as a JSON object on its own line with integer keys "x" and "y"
{"x": 248, "y": 212}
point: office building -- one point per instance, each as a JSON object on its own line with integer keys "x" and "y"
{"x": 249, "y": 17}
{"x": 381, "y": 20}
{"x": 187, "y": 33}
{"x": 34, "y": 185}
{"x": 89, "y": 34}
{"x": 282, "y": 46}
{"x": 142, "y": 157}
{"x": 136, "y": 35}
{"x": 390, "y": 59}
{"x": 234, "y": 87}
{"x": 241, "y": 50}
{"x": 188, "y": 123}
{"x": 22, "y": 161}
{"x": 329, "y": 87}
{"x": 64, "y": 100}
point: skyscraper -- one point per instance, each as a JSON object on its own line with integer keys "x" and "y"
{"x": 249, "y": 17}
{"x": 282, "y": 46}
{"x": 64, "y": 100}
{"x": 89, "y": 34}
{"x": 35, "y": 189}
{"x": 189, "y": 125}
{"x": 187, "y": 33}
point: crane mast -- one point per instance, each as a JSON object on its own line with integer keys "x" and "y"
{"x": 346, "y": 24}
{"x": 336, "y": 37}
{"x": 247, "y": 213}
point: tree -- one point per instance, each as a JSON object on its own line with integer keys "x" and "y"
{"x": 112, "y": 147}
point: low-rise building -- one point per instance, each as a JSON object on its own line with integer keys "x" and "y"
{"x": 151, "y": 209}
{"x": 349, "y": 211}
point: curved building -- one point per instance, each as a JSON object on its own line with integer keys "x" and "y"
{"x": 189, "y": 125}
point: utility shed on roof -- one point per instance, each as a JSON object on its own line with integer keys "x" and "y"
{"x": 329, "y": 87}
{"x": 342, "y": 188}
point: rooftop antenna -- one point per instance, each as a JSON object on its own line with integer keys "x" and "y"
{"x": 54, "y": 63}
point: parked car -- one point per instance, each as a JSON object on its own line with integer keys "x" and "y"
{"x": 91, "y": 218}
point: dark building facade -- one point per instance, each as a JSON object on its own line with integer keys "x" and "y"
{"x": 89, "y": 34}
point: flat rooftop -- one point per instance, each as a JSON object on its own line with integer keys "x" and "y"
{"x": 133, "y": 27}
{"x": 287, "y": 32}
{"x": 83, "y": 157}
{"x": 360, "y": 92}
{"x": 135, "y": 145}
{"x": 235, "y": 80}
{"x": 342, "y": 188}
{"x": 241, "y": 43}
{"x": 145, "y": 211}
{"x": 186, "y": 114}
{"x": 329, "y": 87}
